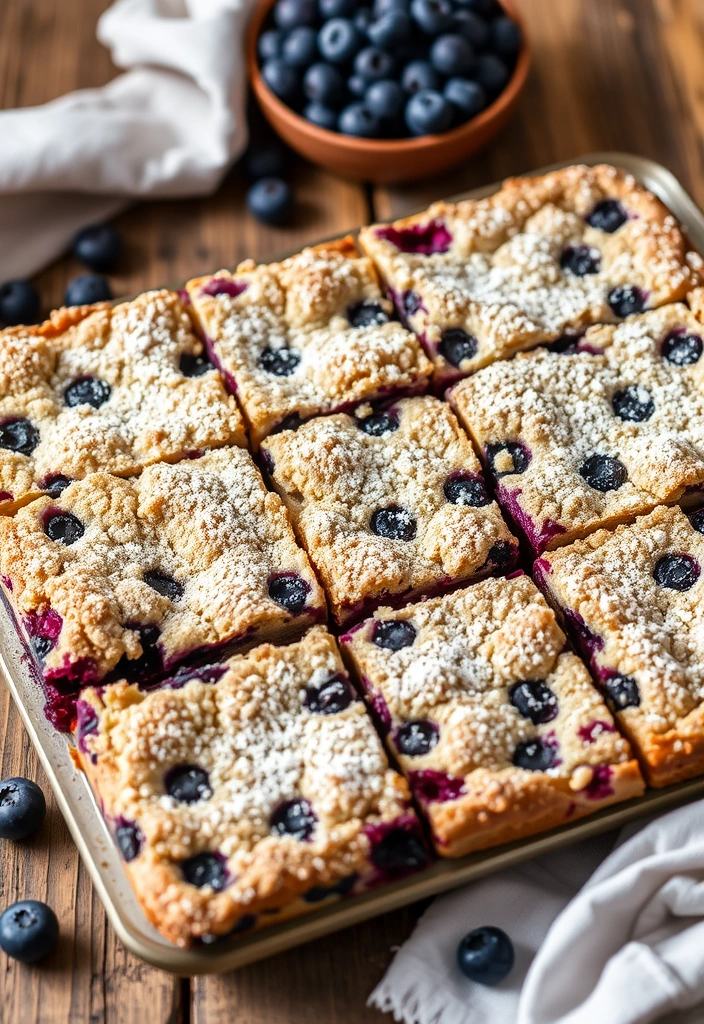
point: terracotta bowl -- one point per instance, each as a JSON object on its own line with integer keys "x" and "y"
{"x": 383, "y": 161}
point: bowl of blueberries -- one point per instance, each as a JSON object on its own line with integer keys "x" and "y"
{"x": 391, "y": 92}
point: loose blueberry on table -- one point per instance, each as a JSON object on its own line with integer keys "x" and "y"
{"x": 22, "y": 808}
{"x": 99, "y": 247}
{"x": 19, "y": 303}
{"x": 406, "y": 67}
{"x": 29, "y": 931}
{"x": 485, "y": 955}
{"x": 87, "y": 289}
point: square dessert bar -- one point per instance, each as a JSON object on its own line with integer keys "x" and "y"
{"x": 495, "y": 723}
{"x": 591, "y": 438}
{"x": 307, "y": 336}
{"x": 112, "y": 389}
{"x": 134, "y": 574}
{"x": 542, "y": 257}
{"x": 252, "y": 792}
{"x": 633, "y": 598}
{"x": 389, "y": 505}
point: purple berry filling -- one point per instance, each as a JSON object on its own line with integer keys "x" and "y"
{"x": 6, "y": 496}
{"x": 86, "y": 723}
{"x": 379, "y": 707}
{"x": 397, "y": 848}
{"x": 184, "y": 296}
{"x": 425, "y": 239}
{"x": 588, "y": 640}
{"x": 224, "y": 286}
{"x": 430, "y": 786}
{"x": 7, "y": 583}
{"x": 539, "y": 537}
{"x": 407, "y": 303}
{"x": 590, "y": 733}
{"x": 600, "y": 786}
{"x": 230, "y": 382}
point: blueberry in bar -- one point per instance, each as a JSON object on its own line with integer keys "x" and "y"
{"x": 131, "y": 575}
{"x": 307, "y": 336}
{"x": 632, "y": 598}
{"x": 243, "y": 800}
{"x": 389, "y": 504}
{"x": 543, "y": 257}
{"x": 593, "y": 437}
{"x": 495, "y": 723}
{"x": 113, "y": 389}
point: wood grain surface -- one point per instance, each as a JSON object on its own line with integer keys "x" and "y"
{"x": 607, "y": 75}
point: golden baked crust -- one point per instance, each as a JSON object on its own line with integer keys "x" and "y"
{"x": 335, "y": 478}
{"x": 644, "y": 639}
{"x": 492, "y": 267}
{"x": 633, "y": 393}
{"x": 448, "y": 702}
{"x": 207, "y": 527}
{"x": 150, "y": 410}
{"x": 257, "y": 743}
{"x": 301, "y": 306}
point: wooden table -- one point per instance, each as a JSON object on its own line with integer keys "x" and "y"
{"x": 608, "y": 75}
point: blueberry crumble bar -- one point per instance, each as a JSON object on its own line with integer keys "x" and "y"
{"x": 307, "y": 336}
{"x": 389, "y": 504}
{"x": 131, "y": 575}
{"x": 495, "y": 723}
{"x": 111, "y": 389}
{"x": 543, "y": 257}
{"x": 591, "y": 438}
{"x": 255, "y": 791}
{"x": 633, "y": 599}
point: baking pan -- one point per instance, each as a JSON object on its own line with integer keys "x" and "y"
{"x": 100, "y": 854}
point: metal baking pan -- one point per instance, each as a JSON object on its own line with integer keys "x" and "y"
{"x": 100, "y": 854}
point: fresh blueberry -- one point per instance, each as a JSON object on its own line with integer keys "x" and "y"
{"x": 519, "y": 457}
{"x": 283, "y": 80}
{"x": 290, "y": 591}
{"x": 505, "y": 37}
{"x": 484, "y": 8}
{"x": 29, "y": 931}
{"x": 357, "y": 119}
{"x": 491, "y": 73}
{"x": 19, "y": 303}
{"x": 164, "y": 584}
{"x": 22, "y": 808}
{"x": 64, "y": 527}
{"x": 625, "y": 300}
{"x": 321, "y": 892}
{"x": 129, "y": 840}
{"x": 432, "y": 16}
{"x": 293, "y": 818}
{"x": 55, "y": 484}
{"x": 466, "y": 489}
{"x": 581, "y": 260}
{"x": 391, "y": 30}
{"x": 419, "y": 76}
{"x": 87, "y": 391}
{"x": 86, "y": 289}
{"x": 99, "y": 247}
{"x": 393, "y": 523}
{"x": 337, "y": 9}
{"x": 321, "y": 116}
{"x": 367, "y": 313}
{"x": 290, "y": 14}
{"x": 416, "y": 739}
{"x": 681, "y": 349}
{"x": 339, "y": 40}
{"x": 623, "y": 691}
{"x": 205, "y": 869}
{"x": 382, "y": 7}
{"x": 456, "y": 345}
{"x": 188, "y": 784}
{"x": 603, "y": 473}
{"x": 676, "y": 572}
{"x": 608, "y": 215}
{"x": 535, "y": 700}
{"x": 485, "y": 955}
{"x": 428, "y": 113}
{"x": 452, "y": 55}
{"x": 265, "y": 158}
{"x": 398, "y": 852}
{"x": 386, "y": 99}
{"x": 373, "y": 64}
{"x": 357, "y": 86}
{"x": 194, "y": 366}
{"x": 534, "y": 755}
{"x": 270, "y": 201}
{"x": 394, "y": 634}
{"x": 300, "y": 47}
{"x": 331, "y": 697}
{"x": 474, "y": 29}
{"x": 269, "y": 44}
{"x": 378, "y": 424}
{"x": 282, "y": 362}
{"x": 363, "y": 19}
{"x": 19, "y": 436}
{"x": 697, "y": 520}
{"x": 324, "y": 85}
{"x": 467, "y": 98}
{"x": 633, "y": 403}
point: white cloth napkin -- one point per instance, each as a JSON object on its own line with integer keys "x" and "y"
{"x": 171, "y": 125}
{"x": 627, "y": 947}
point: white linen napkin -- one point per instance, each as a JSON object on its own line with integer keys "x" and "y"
{"x": 171, "y": 125}
{"x": 627, "y": 947}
